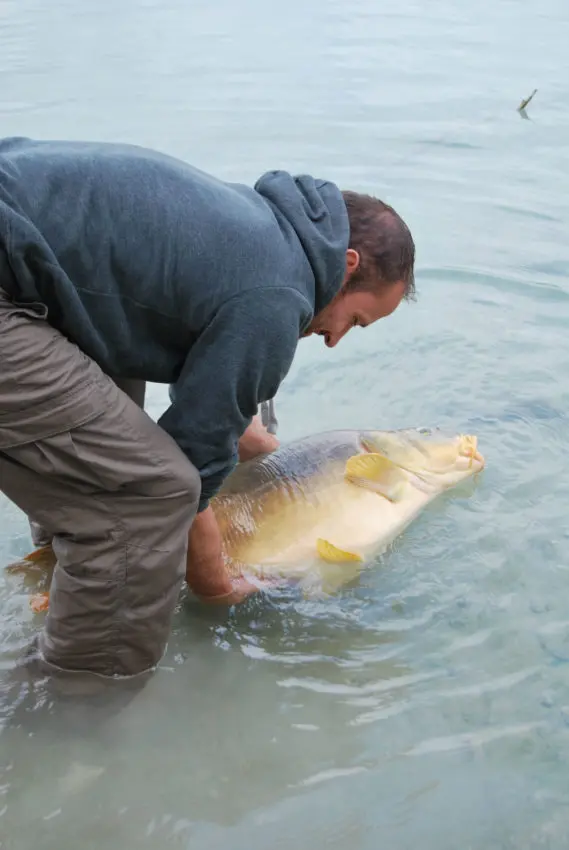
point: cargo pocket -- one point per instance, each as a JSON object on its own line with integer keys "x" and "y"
{"x": 48, "y": 385}
{"x": 95, "y": 551}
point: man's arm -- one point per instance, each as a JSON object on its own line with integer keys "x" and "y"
{"x": 205, "y": 571}
{"x": 240, "y": 359}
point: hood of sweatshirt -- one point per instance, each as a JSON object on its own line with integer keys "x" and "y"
{"x": 315, "y": 211}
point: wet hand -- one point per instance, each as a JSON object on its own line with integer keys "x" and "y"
{"x": 241, "y": 589}
{"x": 256, "y": 441}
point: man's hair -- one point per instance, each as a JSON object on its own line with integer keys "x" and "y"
{"x": 384, "y": 243}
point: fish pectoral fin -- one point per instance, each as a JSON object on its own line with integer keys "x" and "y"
{"x": 333, "y": 555}
{"x": 376, "y": 472}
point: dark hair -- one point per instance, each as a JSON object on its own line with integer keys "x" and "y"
{"x": 384, "y": 243}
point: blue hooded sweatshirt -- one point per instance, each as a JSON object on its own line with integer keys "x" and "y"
{"x": 161, "y": 272}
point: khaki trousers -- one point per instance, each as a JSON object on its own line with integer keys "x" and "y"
{"x": 110, "y": 488}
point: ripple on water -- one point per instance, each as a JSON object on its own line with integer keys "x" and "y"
{"x": 515, "y": 283}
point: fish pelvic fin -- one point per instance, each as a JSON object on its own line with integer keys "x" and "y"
{"x": 333, "y": 555}
{"x": 376, "y": 472}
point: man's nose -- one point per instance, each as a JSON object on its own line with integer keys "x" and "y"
{"x": 333, "y": 339}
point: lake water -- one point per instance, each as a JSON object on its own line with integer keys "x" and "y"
{"x": 427, "y": 705}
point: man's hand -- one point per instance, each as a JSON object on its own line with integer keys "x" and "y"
{"x": 206, "y": 574}
{"x": 256, "y": 440}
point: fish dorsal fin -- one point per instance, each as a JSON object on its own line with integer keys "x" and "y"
{"x": 376, "y": 472}
{"x": 334, "y": 555}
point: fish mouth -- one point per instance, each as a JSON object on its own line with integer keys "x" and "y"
{"x": 468, "y": 448}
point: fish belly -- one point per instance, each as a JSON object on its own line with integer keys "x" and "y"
{"x": 357, "y": 520}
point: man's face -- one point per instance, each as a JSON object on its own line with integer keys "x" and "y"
{"x": 354, "y": 309}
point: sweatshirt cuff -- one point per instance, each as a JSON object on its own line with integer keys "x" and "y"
{"x": 203, "y": 504}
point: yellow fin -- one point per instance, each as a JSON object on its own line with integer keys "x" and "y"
{"x": 329, "y": 552}
{"x": 378, "y": 473}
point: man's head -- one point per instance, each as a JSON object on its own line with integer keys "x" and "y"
{"x": 379, "y": 269}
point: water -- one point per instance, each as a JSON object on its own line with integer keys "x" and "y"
{"x": 427, "y": 705}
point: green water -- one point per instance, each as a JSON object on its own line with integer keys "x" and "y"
{"x": 428, "y": 705}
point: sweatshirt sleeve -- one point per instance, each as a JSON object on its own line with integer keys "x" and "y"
{"x": 238, "y": 361}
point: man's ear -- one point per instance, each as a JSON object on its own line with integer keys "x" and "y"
{"x": 352, "y": 262}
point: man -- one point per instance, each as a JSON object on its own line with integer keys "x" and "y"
{"x": 120, "y": 265}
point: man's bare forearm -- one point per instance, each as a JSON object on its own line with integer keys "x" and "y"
{"x": 206, "y": 573}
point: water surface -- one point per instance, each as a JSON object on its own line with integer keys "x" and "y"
{"x": 428, "y": 704}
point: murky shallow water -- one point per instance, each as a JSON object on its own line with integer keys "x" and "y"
{"x": 429, "y": 703}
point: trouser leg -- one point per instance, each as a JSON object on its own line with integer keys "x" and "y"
{"x": 136, "y": 390}
{"x": 109, "y": 485}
